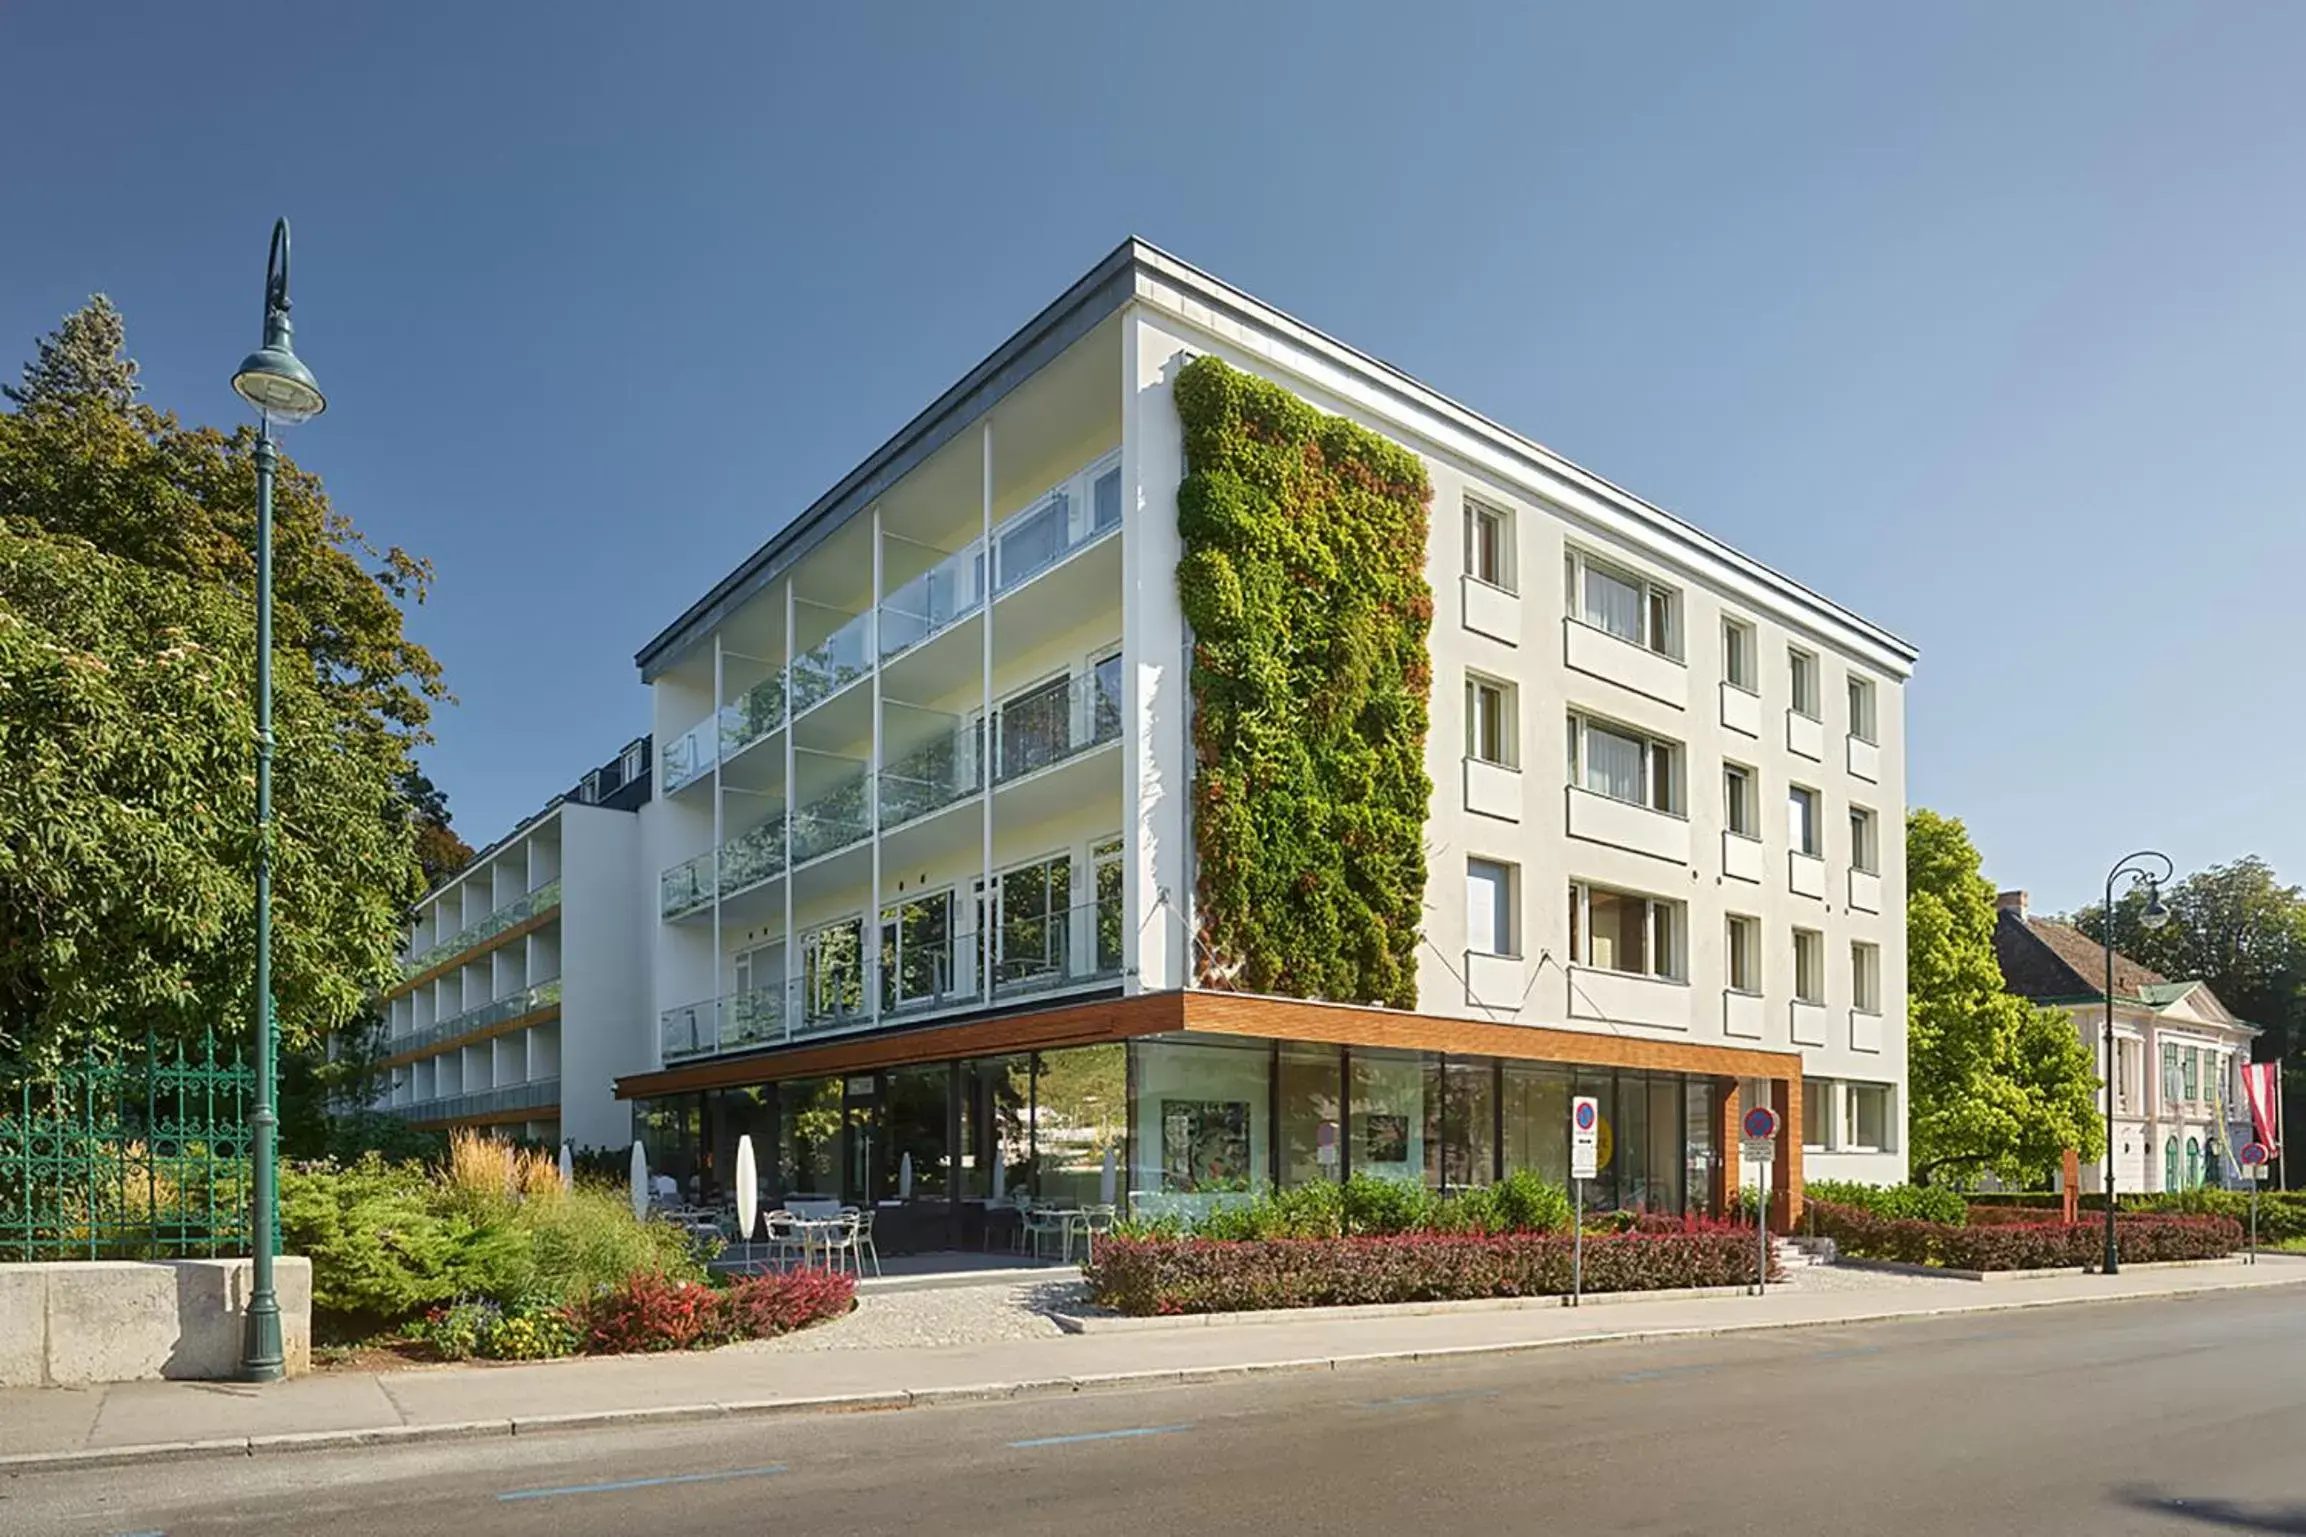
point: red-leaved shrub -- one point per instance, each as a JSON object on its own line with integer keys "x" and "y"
{"x": 650, "y": 1313}
{"x": 780, "y": 1302}
{"x": 1999, "y": 1243}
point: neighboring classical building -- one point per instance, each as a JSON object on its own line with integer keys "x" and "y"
{"x": 975, "y": 869}
{"x": 524, "y": 975}
{"x": 2179, "y": 1110}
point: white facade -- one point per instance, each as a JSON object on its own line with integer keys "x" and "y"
{"x": 2179, "y": 1110}
{"x": 823, "y": 712}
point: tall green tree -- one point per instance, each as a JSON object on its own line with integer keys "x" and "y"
{"x": 127, "y": 639}
{"x": 2234, "y": 926}
{"x": 1995, "y": 1084}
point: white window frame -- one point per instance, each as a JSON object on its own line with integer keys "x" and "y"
{"x": 1865, "y": 977}
{"x": 1660, "y": 918}
{"x": 1801, "y": 665}
{"x": 1814, "y": 844}
{"x": 1812, "y": 943}
{"x": 1865, "y": 844}
{"x": 635, "y": 762}
{"x": 1745, "y": 927}
{"x": 1653, "y": 750}
{"x": 1821, "y": 1092}
{"x": 1746, "y": 809}
{"x": 1509, "y": 720}
{"x": 1509, "y": 894}
{"x": 1741, "y": 643}
{"x": 1852, "y": 1142}
{"x": 1863, "y": 696}
{"x": 1655, "y": 595}
{"x": 1477, "y": 512}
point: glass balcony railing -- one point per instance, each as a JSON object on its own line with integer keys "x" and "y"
{"x": 1080, "y": 512}
{"x": 716, "y": 1025}
{"x": 536, "y": 1094}
{"x": 527, "y": 1001}
{"x": 1060, "y": 721}
{"x": 833, "y": 821}
{"x": 936, "y": 600}
{"x": 686, "y": 887}
{"x": 753, "y": 856}
{"x": 1036, "y": 951}
{"x": 834, "y": 663}
{"x": 755, "y": 713}
{"x": 947, "y": 770}
{"x": 543, "y": 899}
{"x": 689, "y": 757}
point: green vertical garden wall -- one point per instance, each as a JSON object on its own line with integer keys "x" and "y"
{"x": 1304, "y": 582}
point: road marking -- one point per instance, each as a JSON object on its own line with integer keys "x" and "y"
{"x": 1850, "y": 1350}
{"x": 1103, "y": 1435}
{"x": 638, "y": 1483}
{"x": 1663, "y": 1371}
{"x": 1429, "y": 1398}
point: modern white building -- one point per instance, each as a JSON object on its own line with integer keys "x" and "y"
{"x": 524, "y": 979}
{"x": 933, "y": 899}
{"x": 2179, "y": 1111}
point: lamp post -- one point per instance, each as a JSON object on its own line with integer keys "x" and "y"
{"x": 2153, "y": 917}
{"x": 284, "y": 393}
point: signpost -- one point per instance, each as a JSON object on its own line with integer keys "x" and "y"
{"x": 1761, "y": 1134}
{"x": 1584, "y": 1155}
{"x": 2253, "y": 1156}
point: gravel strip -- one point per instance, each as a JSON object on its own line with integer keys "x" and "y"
{"x": 1852, "y": 1278}
{"x": 954, "y": 1315}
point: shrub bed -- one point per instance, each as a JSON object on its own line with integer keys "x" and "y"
{"x": 1926, "y": 1203}
{"x": 1367, "y": 1206}
{"x": 1143, "y": 1277}
{"x": 644, "y": 1314}
{"x": 1998, "y": 1244}
{"x": 2281, "y": 1213}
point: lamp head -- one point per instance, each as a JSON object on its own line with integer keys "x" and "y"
{"x": 272, "y": 378}
{"x": 2155, "y": 914}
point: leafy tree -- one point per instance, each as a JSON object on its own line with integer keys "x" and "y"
{"x": 127, "y": 638}
{"x": 2233, "y": 926}
{"x": 440, "y": 853}
{"x": 1995, "y": 1083}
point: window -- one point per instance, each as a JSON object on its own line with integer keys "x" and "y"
{"x": 2125, "y": 1073}
{"x": 2170, "y": 1094}
{"x": 1624, "y": 765}
{"x": 2191, "y": 1065}
{"x": 1817, "y": 1112}
{"x": 1035, "y": 727}
{"x": 1630, "y": 607}
{"x": 1803, "y": 668}
{"x": 1865, "y": 844}
{"x": 2170, "y": 1165}
{"x": 1869, "y": 1122}
{"x": 1862, "y": 708}
{"x": 1489, "y": 927}
{"x": 636, "y": 758}
{"x": 1802, "y": 820}
{"x": 1745, "y": 954}
{"x": 1491, "y": 722}
{"x": 832, "y": 970}
{"x": 1737, "y": 656}
{"x": 1488, "y": 545}
{"x": 1616, "y": 931}
{"x": 1865, "y": 977}
{"x": 1740, "y": 804}
{"x": 1809, "y": 966}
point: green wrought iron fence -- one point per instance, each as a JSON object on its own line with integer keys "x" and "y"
{"x": 139, "y": 1157}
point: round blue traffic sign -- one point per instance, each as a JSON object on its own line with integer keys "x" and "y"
{"x": 1585, "y": 1115}
{"x": 2252, "y": 1154}
{"x": 1761, "y": 1123}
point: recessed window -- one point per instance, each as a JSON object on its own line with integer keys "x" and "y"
{"x": 1619, "y": 931}
{"x": 1869, "y": 1118}
{"x": 2192, "y": 1063}
{"x": 1625, "y": 765}
{"x": 1492, "y": 727}
{"x": 1802, "y": 819}
{"x": 1489, "y": 544}
{"x": 1865, "y": 977}
{"x": 1817, "y": 1112}
{"x": 1809, "y": 966}
{"x": 1631, "y": 607}
{"x": 1865, "y": 841}
{"x": 1862, "y": 708}
{"x": 1745, "y": 954}
{"x": 1739, "y": 667}
{"x": 1802, "y": 669}
{"x": 636, "y": 759}
{"x": 1741, "y": 802}
{"x": 1489, "y": 926}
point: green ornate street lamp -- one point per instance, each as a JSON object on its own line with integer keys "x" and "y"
{"x": 284, "y": 393}
{"x": 2153, "y": 917}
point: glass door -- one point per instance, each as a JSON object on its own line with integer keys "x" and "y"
{"x": 862, "y": 1151}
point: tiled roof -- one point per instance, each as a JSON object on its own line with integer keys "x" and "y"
{"x": 2042, "y": 959}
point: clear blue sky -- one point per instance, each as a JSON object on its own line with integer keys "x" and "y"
{"x": 1987, "y": 320}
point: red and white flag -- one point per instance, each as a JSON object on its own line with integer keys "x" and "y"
{"x": 2262, "y": 1083}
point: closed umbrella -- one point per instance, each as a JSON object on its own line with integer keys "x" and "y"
{"x": 640, "y": 1181}
{"x": 905, "y": 1178}
{"x": 1000, "y": 1175}
{"x": 567, "y": 1168}
{"x": 1107, "y": 1179}
{"x": 748, "y": 1189}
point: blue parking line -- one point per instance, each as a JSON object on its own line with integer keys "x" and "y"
{"x": 638, "y": 1483}
{"x": 1103, "y": 1435}
{"x": 1847, "y": 1351}
{"x": 1429, "y": 1398}
{"x": 1662, "y": 1371}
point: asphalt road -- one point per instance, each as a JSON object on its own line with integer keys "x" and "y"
{"x": 2147, "y": 1417}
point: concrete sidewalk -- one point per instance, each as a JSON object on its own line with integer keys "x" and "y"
{"x": 152, "y": 1421}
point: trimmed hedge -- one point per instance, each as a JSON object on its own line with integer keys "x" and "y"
{"x": 2281, "y": 1213}
{"x": 2002, "y": 1245}
{"x": 1143, "y": 1277}
{"x": 647, "y": 1314}
{"x": 1928, "y": 1203}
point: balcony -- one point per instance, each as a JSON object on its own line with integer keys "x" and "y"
{"x": 686, "y": 887}
{"x": 1628, "y": 998}
{"x": 1809, "y": 1023}
{"x": 1490, "y": 610}
{"x": 731, "y": 1023}
{"x": 536, "y": 1094}
{"x": 1741, "y": 857}
{"x": 1805, "y": 736}
{"x": 752, "y": 715}
{"x": 1865, "y": 1031}
{"x": 831, "y": 665}
{"x": 1742, "y": 1014}
{"x": 1601, "y": 654}
{"x": 1741, "y": 710}
{"x": 945, "y": 771}
{"x": 472, "y": 1021}
{"x": 690, "y": 756}
{"x": 827, "y": 824}
{"x": 1805, "y": 874}
{"x": 1073, "y": 517}
{"x": 1043, "y": 728}
{"x": 1865, "y": 760}
{"x": 1495, "y": 982}
{"x": 1492, "y": 790}
{"x": 1865, "y": 891}
{"x": 751, "y": 857}
{"x": 542, "y": 900}
{"x": 1628, "y": 825}
{"x": 935, "y": 601}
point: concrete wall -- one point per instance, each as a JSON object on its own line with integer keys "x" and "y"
{"x": 71, "y": 1323}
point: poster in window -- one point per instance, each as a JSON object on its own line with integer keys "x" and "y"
{"x": 1205, "y": 1144}
{"x": 1387, "y": 1139}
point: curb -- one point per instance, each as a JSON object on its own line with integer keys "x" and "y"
{"x": 1045, "y": 1387}
{"x": 1102, "y": 1323}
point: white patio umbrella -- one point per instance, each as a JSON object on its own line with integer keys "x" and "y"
{"x": 1107, "y": 1178}
{"x": 567, "y": 1168}
{"x": 1000, "y": 1175}
{"x": 905, "y": 1178}
{"x": 640, "y": 1181}
{"x": 748, "y": 1190}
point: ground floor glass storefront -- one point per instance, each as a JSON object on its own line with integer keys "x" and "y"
{"x": 1179, "y": 1123}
